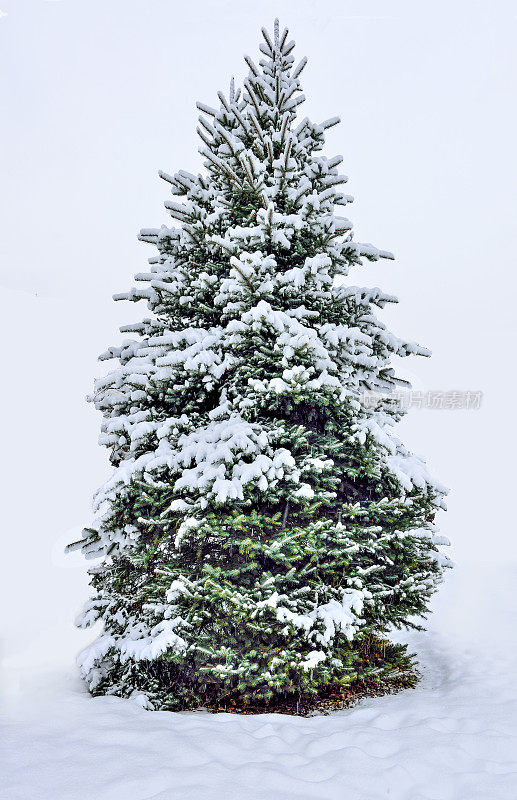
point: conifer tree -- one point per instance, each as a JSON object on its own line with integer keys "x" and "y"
{"x": 263, "y": 524}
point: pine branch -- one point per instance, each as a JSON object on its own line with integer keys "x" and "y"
{"x": 286, "y": 161}
{"x": 241, "y": 273}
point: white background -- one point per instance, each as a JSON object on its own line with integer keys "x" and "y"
{"x": 98, "y": 95}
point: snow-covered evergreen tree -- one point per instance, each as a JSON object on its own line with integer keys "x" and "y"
{"x": 263, "y": 524}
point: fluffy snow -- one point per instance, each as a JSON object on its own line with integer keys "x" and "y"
{"x": 452, "y": 738}
{"x": 336, "y": 616}
{"x": 210, "y": 458}
{"x": 161, "y": 638}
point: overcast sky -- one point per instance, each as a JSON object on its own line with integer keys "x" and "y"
{"x": 97, "y": 95}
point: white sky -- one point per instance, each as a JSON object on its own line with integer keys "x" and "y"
{"x": 99, "y": 95}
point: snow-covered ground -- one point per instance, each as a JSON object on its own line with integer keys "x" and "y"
{"x": 455, "y": 736}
